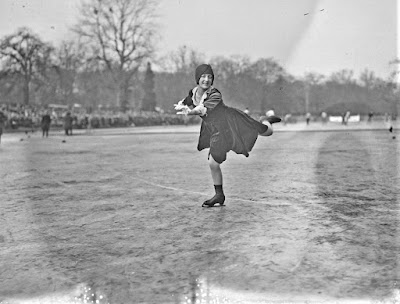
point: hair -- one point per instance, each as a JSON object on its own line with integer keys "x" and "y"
{"x": 203, "y": 69}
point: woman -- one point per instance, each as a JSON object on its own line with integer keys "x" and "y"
{"x": 46, "y": 121}
{"x": 68, "y": 123}
{"x": 3, "y": 119}
{"x": 223, "y": 128}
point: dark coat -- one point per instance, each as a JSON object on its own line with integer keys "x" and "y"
{"x": 224, "y": 128}
{"x": 68, "y": 122}
{"x": 46, "y": 120}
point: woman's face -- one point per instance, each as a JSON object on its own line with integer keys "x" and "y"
{"x": 205, "y": 81}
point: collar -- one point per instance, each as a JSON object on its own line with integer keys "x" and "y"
{"x": 202, "y": 97}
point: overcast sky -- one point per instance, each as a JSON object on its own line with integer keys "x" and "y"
{"x": 320, "y": 36}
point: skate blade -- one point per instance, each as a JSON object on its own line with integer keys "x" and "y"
{"x": 212, "y": 206}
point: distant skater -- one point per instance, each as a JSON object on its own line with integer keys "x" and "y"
{"x": 308, "y": 118}
{"x": 223, "y": 128}
{"x": 370, "y": 116}
{"x": 2, "y": 123}
{"x": 324, "y": 117}
{"x": 46, "y": 120}
{"x": 390, "y": 127}
{"x": 68, "y": 124}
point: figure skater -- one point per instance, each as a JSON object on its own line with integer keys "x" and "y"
{"x": 222, "y": 129}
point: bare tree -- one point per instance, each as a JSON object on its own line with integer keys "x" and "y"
{"x": 272, "y": 76}
{"x": 343, "y": 77}
{"x": 69, "y": 62}
{"x": 25, "y": 54}
{"x": 235, "y": 65}
{"x": 183, "y": 60}
{"x": 267, "y": 70}
{"x": 121, "y": 34}
{"x": 368, "y": 79}
{"x": 311, "y": 80}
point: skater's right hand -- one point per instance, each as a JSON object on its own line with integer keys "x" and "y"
{"x": 179, "y": 105}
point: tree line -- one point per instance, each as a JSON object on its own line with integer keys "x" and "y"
{"x": 109, "y": 62}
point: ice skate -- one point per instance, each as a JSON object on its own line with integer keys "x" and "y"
{"x": 273, "y": 119}
{"x": 216, "y": 199}
{"x": 268, "y": 121}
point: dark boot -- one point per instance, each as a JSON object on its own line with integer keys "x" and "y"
{"x": 218, "y": 198}
{"x": 273, "y": 119}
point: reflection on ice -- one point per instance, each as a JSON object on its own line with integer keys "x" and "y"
{"x": 88, "y": 295}
{"x": 81, "y": 294}
{"x": 200, "y": 291}
{"x": 204, "y": 292}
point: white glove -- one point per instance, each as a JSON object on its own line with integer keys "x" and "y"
{"x": 201, "y": 108}
{"x": 184, "y": 111}
{"x": 179, "y": 105}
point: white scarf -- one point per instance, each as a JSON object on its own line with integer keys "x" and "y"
{"x": 199, "y": 105}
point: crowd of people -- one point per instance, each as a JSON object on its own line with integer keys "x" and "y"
{"x": 23, "y": 117}
{"x": 34, "y": 118}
